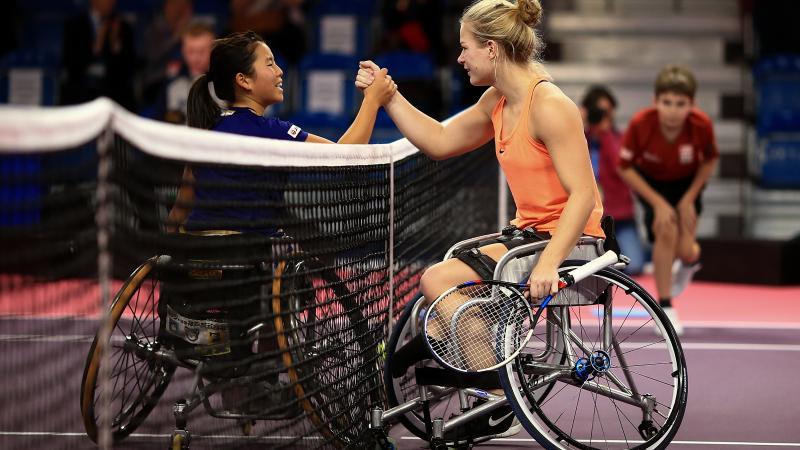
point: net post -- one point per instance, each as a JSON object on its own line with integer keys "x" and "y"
{"x": 103, "y": 216}
{"x": 391, "y": 243}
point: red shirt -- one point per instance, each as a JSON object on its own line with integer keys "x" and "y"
{"x": 617, "y": 197}
{"x": 645, "y": 147}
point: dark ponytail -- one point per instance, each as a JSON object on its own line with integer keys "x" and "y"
{"x": 231, "y": 55}
{"x": 201, "y": 109}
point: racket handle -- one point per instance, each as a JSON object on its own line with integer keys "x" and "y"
{"x": 593, "y": 266}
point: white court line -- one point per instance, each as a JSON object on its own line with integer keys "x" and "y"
{"x": 742, "y": 324}
{"x": 735, "y": 346}
{"x": 611, "y": 441}
{"x": 732, "y": 346}
{"x": 686, "y": 324}
{"x": 164, "y": 436}
{"x": 267, "y": 438}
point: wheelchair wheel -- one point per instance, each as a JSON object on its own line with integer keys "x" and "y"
{"x": 444, "y": 401}
{"x": 403, "y": 389}
{"x": 327, "y": 347}
{"x": 137, "y": 378}
{"x": 622, "y": 383}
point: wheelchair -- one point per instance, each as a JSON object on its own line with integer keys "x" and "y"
{"x": 603, "y": 370}
{"x": 265, "y": 340}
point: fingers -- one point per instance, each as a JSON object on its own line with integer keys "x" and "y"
{"x": 369, "y": 65}
{"x": 542, "y": 287}
{"x": 364, "y": 78}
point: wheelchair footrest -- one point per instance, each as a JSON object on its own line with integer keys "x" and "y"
{"x": 436, "y": 376}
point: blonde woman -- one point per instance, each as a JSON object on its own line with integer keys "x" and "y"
{"x": 539, "y": 143}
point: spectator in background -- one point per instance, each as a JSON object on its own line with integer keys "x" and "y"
{"x": 669, "y": 152}
{"x": 605, "y": 142}
{"x": 97, "y": 56}
{"x": 279, "y": 22}
{"x": 162, "y": 46}
{"x": 414, "y": 25}
{"x": 196, "y": 44}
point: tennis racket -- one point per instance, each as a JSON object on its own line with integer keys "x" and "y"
{"x": 482, "y": 325}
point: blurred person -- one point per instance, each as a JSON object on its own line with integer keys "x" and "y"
{"x": 162, "y": 45}
{"x": 669, "y": 152}
{"x": 279, "y": 22}
{"x": 244, "y": 76}
{"x": 414, "y": 25}
{"x": 598, "y": 107}
{"x": 98, "y": 56}
{"x": 196, "y": 43}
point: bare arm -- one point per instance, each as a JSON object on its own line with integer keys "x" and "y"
{"x": 360, "y": 131}
{"x": 183, "y": 202}
{"x": 556, "y": 122}
{"x": 466, "y": 131}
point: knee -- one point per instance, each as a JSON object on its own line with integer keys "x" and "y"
{"x": 432, "y": 278}
{"x": 666, "y": 233}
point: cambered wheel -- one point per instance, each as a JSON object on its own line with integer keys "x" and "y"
{"x": 137, "y": 378}
{"x": 327, "y": 347}
{"x": 625, "y": 363}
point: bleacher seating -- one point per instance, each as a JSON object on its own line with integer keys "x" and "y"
{"x": 342, "y": 26}
{"x": 33, "y": 75}
{"x": 326, "y": 94}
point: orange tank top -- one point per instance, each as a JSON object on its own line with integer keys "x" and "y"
{"x": 537, "y": 191}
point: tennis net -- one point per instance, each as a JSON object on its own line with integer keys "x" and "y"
{"x": 277, "y": 292}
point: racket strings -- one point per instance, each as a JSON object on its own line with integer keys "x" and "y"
{"x": 474, "y": 328}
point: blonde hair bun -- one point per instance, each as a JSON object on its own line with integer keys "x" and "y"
{"x": 530, "y": 11}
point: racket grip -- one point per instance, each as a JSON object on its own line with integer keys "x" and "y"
{"x": 606, "y": 259}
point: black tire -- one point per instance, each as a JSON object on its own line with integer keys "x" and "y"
{"x": 138, "y": 379}
{"x": 400, "y": 390}
{"x": 650, "y": 364}
{"x": 327, "y": 347}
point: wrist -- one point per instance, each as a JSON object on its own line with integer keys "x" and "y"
{"x": 371, "y": 103}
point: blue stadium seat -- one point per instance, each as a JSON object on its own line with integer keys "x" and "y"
{"x": 358, "y": 13}
{"x": 20, "y": 194}
{"x": 327, "y": 94}
{"x": 407, "y": 65}
{"x": 415, "y": 74}
{"x": 779, "y": 161}
{"x": 30, "y": 59}
{"x": 217, "y": 12}
{"x": 778, "y": 94}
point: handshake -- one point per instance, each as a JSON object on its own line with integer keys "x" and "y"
{"x": 376, "y": 83}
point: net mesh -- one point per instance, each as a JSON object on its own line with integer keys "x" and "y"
{"x": 272, "y": 303}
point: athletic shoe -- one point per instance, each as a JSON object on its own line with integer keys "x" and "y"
{"x": 673, "y": 318}
{"x": 681, "y": 275}
{"x": 500, "y": 423}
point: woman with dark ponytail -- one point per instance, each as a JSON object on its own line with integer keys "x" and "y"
{"x": 245, "y": 79}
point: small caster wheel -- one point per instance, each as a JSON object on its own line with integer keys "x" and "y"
{"x": 386, "y": 443}
{"x": 247, "y": 427}
{"x": 180, "y": 440}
